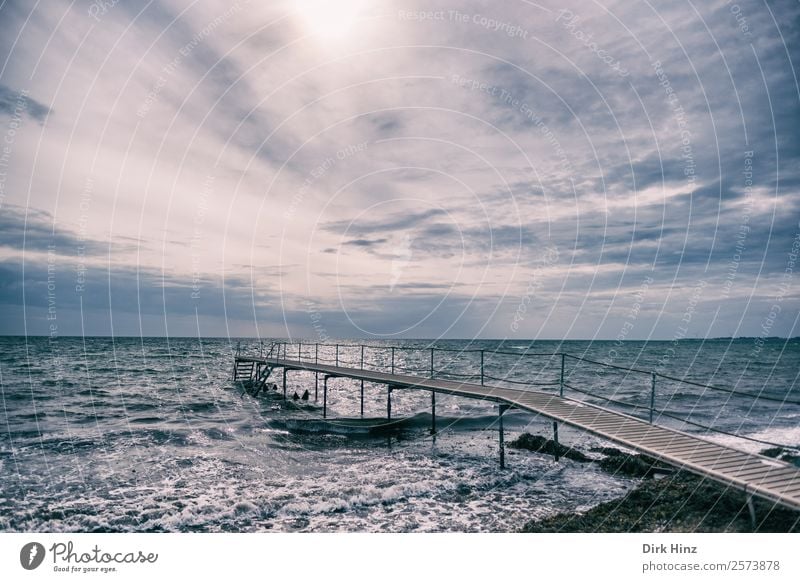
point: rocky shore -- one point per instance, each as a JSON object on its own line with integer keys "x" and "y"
{"x": 664, "y": 501}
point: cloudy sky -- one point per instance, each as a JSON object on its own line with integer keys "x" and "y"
{"x": 400, "y": 169}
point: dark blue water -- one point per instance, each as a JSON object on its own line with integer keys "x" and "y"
{"x": 102, "y": 434}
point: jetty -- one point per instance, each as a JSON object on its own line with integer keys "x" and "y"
{"x": 754, "y": 474}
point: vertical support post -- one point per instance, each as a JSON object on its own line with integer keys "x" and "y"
{"x": 325, "y": 397}
{"x": 389, "y": 401}
{"x": 433, "y": 412}
{"x": 561, "y": 382}
{"x": 362, "y": 382}
{"x": 432, "y": 363}
{"x": 337, "y": 355}
{"x": 392, "y": 360}
{"x": 481, "y": 367}
{"x": 503, "y": 408}
{"x": 300, "y": 350}
{"x": 316, "y": 374}
{"x": 284, "y": 383}
{"x": 260, "y": 348}
{"x": 652, "y": 394}
{"x": 555, "y": 441}
{"x": 752, "y": 510}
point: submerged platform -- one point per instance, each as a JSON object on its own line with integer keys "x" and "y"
{"x": 348, "y": 426}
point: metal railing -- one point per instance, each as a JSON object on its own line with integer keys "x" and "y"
{"x": 353, "y": 355}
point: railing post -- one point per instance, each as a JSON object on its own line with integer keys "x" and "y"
{"x": 561, "y": 382}
{"x": 652, "y": 394}
{"x": 284, "y": 383}
{"x": 432, "y": 363}
{"x": 389, "y": 402}
{"x": 299, "y": 350}
{"x": 316, "y": 374}
{"x": 392, "y": 360}
{"x": 337, "y": 355}
{"x": 481, "y": 367}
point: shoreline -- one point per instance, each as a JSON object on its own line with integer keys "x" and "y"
{"x": 664, "y": 501}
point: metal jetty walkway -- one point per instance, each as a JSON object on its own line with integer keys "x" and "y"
{"x": 756, "y": 475}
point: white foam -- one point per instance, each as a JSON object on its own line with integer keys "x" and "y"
{"x": 367, "y": 496}
{"x": 789, "y": 436}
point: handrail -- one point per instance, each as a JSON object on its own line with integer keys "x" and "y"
{"x": 684, "y": 381}
{"x": 431, "y": 371}
{"x": 729, "y": 390}
{"x": 681, "y": 419}
{"x": 573, "y": 357}
{"x": 483, "y": 375}
{"x": 558, "y": 354}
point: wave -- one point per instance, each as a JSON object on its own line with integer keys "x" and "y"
{"x": 789, "y": 437}
{"x": 365, "y": 497}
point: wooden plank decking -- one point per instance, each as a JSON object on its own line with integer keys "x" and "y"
{"x": 755, "y": 474}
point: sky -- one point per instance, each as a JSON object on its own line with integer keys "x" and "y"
{"x": 515, "y": 170}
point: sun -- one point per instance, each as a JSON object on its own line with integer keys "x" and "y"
{"x": 329, "y": 20}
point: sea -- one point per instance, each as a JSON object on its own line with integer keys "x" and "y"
{"x": 105, "y": 434}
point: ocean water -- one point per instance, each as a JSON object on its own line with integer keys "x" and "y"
{"x": 129, "y": 434}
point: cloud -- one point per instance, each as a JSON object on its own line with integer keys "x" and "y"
{"x": 366, "y": 243}
{"x": 148, "y": 301}
{"x": 392, "y": 222}
{"x": 19, "y": 103}
{"x": 417, "y": 170}
{"x": 37, "y": 230}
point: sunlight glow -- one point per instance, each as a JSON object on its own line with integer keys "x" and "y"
{"x": 329, "y": 20}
